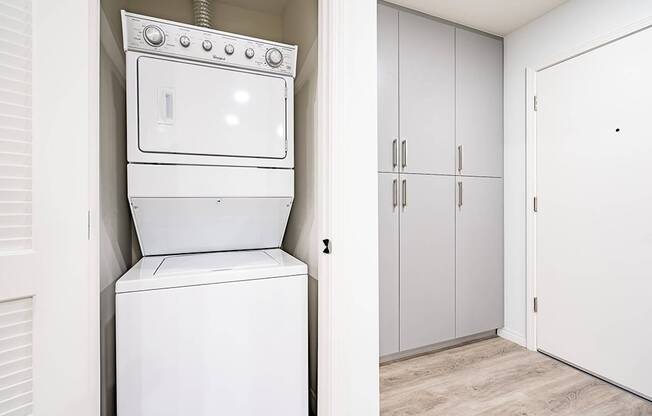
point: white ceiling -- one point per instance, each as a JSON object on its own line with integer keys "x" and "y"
{"x": 499, "y": 17}
{"x": 265, "y": 6}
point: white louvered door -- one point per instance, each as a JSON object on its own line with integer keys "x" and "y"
{"x": 48, "y": 317}
{"x": 17, "y": 258}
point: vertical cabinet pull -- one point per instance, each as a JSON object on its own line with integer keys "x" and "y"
{"x": 404, "y": 153}
{"x": 395, "y": 153}
{"x": 395, "y": 193}
{"x": 404, "y": 189}
{"x": 460, "y": 190}
{"x": 459, "y": 158}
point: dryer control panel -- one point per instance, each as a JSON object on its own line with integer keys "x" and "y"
{"x": 179, "y": 40}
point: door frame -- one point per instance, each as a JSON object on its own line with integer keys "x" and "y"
{"x": 347, "y": 192}
{"x": 531, "y": 156}
{"x": 94, "y": 220}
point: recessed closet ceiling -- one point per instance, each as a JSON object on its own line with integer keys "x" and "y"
{"x": 266, "y": 6}
{"x": 499, "y": 17}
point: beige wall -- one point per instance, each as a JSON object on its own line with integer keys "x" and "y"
{"x": 115, "y": 232}
{"x": 225, "y": 17}
{"x": 302, "y": 235}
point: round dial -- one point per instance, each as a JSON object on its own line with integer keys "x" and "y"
{"x": 274, "y": 57}
{"x": 184, "y": 41}
{"x": 207, "y": 45}
{"x": 154, "y": 35}
{"x": 249, "y": 53}
{"x": 229, "y": 49}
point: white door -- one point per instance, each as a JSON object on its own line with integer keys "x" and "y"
{"x": 48, "y": 295}
{"x": 593, "y": 226}
{"x": 188, "y": 108}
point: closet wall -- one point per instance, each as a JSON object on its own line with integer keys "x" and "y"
{"x": 291, "y": 21}
{"x": 115, "y": 220}
{"x": 440, "y": 181}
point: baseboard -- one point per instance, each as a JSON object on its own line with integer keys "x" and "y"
{"x": 457, "y": 342}
{"x": 512, "y": 336}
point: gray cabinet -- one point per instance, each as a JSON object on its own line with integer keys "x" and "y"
{"x": 427, "y": 260}
{"x": 426, "y": 95}
{"x": 440, "y": 143}
{"x": 479, "y": 104}
{"x": 388, "y": 284}
{"x": 479, "y": 255}
{"x": 387, "y": 89}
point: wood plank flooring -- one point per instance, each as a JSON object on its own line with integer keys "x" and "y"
{"x": 497, "y": 377}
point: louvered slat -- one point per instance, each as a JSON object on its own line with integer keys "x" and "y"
{"x": 15, "y": 126}
{"x": 16, "y": 357}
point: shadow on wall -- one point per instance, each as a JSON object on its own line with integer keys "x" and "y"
{"x": 115, "y": 233}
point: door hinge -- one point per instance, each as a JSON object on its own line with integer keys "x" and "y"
{"x": 536, "y": 304}
{"x": 88, "y": 224}
{"x": 327, "y": 246}
{"x": 536, "y": 204}
{"x": 536, "y": 103}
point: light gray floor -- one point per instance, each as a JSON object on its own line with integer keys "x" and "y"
{"x": 497, "y": 377}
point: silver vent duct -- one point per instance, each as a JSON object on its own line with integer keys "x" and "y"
{"x": 202, "y": 12}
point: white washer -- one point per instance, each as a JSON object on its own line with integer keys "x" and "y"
{"x": 213, "y": 334}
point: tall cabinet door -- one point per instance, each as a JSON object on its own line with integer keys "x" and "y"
{"x": 388, "y": 141}
{"x": 388, "y": 254}
{"x": 427, "y": 95}
{"x": 479, "y": 104}
{"x": 479, "y": 259}
{"x": 427, "y": 268}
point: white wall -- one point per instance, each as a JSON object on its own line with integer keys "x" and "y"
{"x": 348, "y": 199}
{"x": 573, "y": 24}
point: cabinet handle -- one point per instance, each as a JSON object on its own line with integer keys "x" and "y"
{"x": 404, "y": 189}
{"x": 395, "y": 153}
{"x": 395, "y": 193}
{"x": 404, "y": 153}
{"x": 460, "y": 190}
{"x": 459, "y": 158}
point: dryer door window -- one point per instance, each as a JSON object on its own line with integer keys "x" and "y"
{"x": 187, "y": 108}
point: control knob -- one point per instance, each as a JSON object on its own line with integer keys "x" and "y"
{"x": 249, "y": 53}
{"x": 154, "y": 35}
{"x": 274, "y": 57}
{"x": 184, "y": 41}
{"x": 207, "y": 45}
{"x": 229, "y": 49}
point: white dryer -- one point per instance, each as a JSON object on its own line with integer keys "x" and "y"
{"x": 213, "y": 320}
{"x": 210, "y": 137}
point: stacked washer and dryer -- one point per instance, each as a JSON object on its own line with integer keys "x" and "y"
{"x": 213, "y": 319}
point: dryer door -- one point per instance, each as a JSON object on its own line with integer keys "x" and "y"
{"x": 196, "y": 109}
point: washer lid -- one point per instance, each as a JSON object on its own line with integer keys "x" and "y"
{"x": 162, "y": 272}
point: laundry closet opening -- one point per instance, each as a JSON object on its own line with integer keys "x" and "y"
{"x": 292, "y": 22}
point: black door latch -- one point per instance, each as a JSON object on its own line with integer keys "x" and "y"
{"x": 327, "y": 246}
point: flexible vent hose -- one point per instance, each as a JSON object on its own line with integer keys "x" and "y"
{"x": 202, "y": 11}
